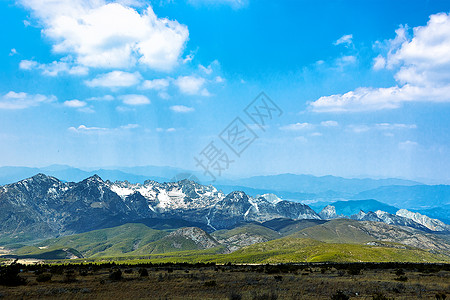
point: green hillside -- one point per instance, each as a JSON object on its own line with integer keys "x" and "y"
{"x": 336, "y": 231}
{"x": 290, "y": 249}
{"x": 249, "y": 229}
{"x": 104, "y": 242}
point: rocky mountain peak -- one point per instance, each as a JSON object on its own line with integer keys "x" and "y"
{"x": 197, "y": 235}
{"x": 432, "y": 224}
{"x": 328, "y": 212}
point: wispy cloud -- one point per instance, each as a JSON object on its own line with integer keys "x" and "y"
{"x": 13, "y": 100}
{"x": 181, "y": 109}
{"x": 55, "y": 68}
{"x": 115, "y": 79}
{"x": 297, "y": 126}
{"x": 83, "y": 129}
{"x": 345, "y": 40}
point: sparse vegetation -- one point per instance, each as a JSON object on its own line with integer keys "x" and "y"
{"x": 237, "y": 282}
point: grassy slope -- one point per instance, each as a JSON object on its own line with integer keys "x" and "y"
{"x": 336, "y": 231}
{"x": 250, "y": 229}
{"x": 106, "y": 242}
{"x": 337, "y": 240}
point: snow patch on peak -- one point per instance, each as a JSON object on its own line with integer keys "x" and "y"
{"x": 432, "y": 224}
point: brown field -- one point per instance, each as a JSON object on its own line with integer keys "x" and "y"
{"x": 171, "y": 281}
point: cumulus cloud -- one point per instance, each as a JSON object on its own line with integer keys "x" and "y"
{"x": 156, "y": 84}
{"x": 75, "y": 103}
{"x": 115, "y": 79}
{"x": 134, "y": 99}
{"x": 181, "y": 109}
{"x": 192, "y": 85}
{"x": 379, "y": 62}
{"x": 422, "y": 65}
{"x": 13, "y": 100}
{"x": 345, "y": 40}
{"x": 107, "y": 34}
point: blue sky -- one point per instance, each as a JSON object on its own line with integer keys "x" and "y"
{"x": 364, "y": 86}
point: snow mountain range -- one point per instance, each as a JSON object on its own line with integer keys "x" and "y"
{"x": 43, "y": 206}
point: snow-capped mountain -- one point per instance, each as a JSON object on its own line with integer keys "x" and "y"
{"x": 432, "y": 224}
{"x": 43, "y": 206}
{"x": 382, "y": 216}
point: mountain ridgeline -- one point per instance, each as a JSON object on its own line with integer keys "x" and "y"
{"x": 43, "y": 206}
{"x": 96, "y": 218}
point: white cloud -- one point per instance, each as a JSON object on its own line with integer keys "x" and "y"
{"x": 297, "y": 126}
{"x": 54, "y": 68}
{"x": 110, "y": 35}
{"x": 210, "y": 68}
{"x": 181, "y": 109}
{"x": 192, "y": 85}
{"x": 74, "y": 103}
{"x": 13, "y": 100}
{"x": 156, "y": 84}
{"x": 379, "y": 62}
{"x": 345, "y": 39}
{"x": 133, "y": 99}
{"x": 407, "y": 145}
{"x": 393, "y": 126}
{"x": 329, "y": 123}
{"x": 101, "y": 98}
{"x": 219, "y": 79}
{"x": 423, "y": 72}
{"x": 359, "y": 128}
{"x": 316, "y": 134}
{"x": 115, "y": 79}
{"x": 165, "y": 130}
{"x": 28, "y": 64}
{"x": 83, "y": 129}
{"x": 13, "y": 52}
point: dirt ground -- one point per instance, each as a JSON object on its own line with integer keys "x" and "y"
{"x": 228, "y": 282}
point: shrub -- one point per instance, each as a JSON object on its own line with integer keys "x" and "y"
{"x": 9, "y": 276}
{"x": 235, "y": 296}
{"x": 70, "y": 276}
{"x": 399, "y": 272}
{"x": 44, "y": 277}
{"x": 379, "y": 296}
{"x": 440, "y": 296}
{"x": 340, "y": 296}
{"x": 265, "y": 296}
{"x": 211, "y": 283}
{"x": 143, "y": 272}
{"x": 115, "y": 275}
{"x": 401, "y": 278}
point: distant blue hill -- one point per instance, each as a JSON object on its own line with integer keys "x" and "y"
{"x": 314, "y": 184}
{"x": 67, "y": 173}
{"x": 352, "y": 207}
{"x": 411, "y": 197}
